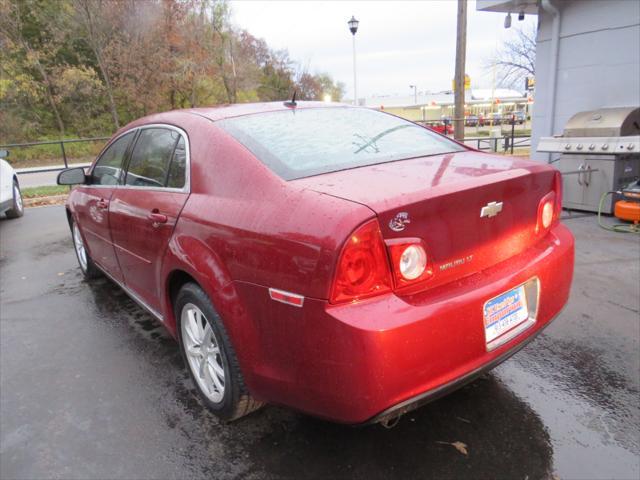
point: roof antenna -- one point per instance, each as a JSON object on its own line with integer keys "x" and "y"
{"x": 292, "y": 103}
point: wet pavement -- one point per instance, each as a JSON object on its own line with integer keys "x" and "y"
{"x": 92, "y": 387}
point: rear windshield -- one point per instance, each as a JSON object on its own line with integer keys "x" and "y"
{"x": 301, "y": 143}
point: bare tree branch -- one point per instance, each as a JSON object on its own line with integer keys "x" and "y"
{"x": 516, "y": 58}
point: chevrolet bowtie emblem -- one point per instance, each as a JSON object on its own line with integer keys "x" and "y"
{"x": 491, "y": 209}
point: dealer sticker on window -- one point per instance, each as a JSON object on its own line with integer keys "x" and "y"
{"x": 504, "y": 312}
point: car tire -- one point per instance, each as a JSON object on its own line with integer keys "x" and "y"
{"x": 17, "y": 209}
{"x": 209, "y": 356}
{"x": 88, "y": 268}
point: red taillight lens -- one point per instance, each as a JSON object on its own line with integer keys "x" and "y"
{"x": 410, "y": 261}
{"x": 550, "y": 207}
{"x": 363, "y": 267}
{"x": 546, "y": 212}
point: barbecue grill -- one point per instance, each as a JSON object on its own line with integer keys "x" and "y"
{"x": 600, "y": 152}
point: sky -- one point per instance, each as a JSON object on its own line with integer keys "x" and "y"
{"x": 398, "y": 43}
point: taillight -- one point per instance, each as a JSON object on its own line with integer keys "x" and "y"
{"x": 546, "y": 212}
{"x": 410, "y": 261}
{"x": 363, "y": 267}
{"x": 550, "y": 207}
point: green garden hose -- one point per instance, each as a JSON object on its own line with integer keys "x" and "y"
{"x": 616, "y": 227}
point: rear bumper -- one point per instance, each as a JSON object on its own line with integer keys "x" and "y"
{"x": 375, "y": 359}
{"x": 432, "y": 395}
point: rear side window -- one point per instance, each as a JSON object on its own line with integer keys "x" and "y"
{"x": 108, "y": 169}
{"x": 151, "y": 158}
{"x": 178, "y": 167}
{"x": 301, "y": 143}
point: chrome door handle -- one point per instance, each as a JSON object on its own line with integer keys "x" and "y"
{"x": 157, "y": 218}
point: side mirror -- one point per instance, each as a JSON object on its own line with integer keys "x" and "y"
{"x": 72, "y": 176}
{"x": 4, "y": 153}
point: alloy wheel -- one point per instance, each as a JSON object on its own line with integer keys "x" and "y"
{"x": 203, "y": 352}
{"x": 79, "y": 246}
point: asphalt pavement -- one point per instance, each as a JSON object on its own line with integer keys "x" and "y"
{"x": 92, "y": 387}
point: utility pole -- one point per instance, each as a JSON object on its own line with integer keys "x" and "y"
{"x": 415, "y": 93}
{"x": 355, "y": 80}
{"x": 461, "y": 53}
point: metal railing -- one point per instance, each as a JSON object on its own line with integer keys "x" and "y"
{"x": 501, "y": 143}
{"x": 65, "y": 159}
{"x": 505, "y": 143}
{"x": 508, "y": 142}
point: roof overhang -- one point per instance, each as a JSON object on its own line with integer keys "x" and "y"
{"x": 514, "y": 6}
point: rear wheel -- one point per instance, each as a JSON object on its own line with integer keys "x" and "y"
{"x": 17, "y": 210}
{"x": 88, "y": 268}
{"x": 210, "y": 357}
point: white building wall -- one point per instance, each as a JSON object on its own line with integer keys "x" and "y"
{"x": 598, "y": 63}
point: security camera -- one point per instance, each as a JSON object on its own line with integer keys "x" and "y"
{"x": 521, "y": 16}
{"x": 507, "y": 20}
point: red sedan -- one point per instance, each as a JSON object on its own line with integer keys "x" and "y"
{"x": 338, "y": 260}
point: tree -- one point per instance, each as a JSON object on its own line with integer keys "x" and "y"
{"x": 223, "y": 48}
{"x": 334, "y": 90}
{"x": 94, "y": 17}
{"x": 24, "y": 27}
{"x": 516, "y": 58}
{"x": 317, "y": 87}
{"x": 276, "y": 82}
{"x": 308, "y": 87}
{"x": 85, "y": 67}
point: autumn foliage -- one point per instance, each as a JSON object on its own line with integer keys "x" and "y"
{"x": 87, "y": 67}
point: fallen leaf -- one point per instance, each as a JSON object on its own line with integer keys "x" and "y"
{"x": 461, "y": 447}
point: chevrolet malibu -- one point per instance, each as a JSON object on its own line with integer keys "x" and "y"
{"x": 337, "y": 260}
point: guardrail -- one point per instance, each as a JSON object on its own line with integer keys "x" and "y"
{"x": 51, "y": 142}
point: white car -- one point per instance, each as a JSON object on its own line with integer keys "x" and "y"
{"x": 10, "y": 195}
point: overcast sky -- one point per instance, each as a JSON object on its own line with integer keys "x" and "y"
{"x": 398, "y": 42}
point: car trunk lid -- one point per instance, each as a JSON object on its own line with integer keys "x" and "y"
{"x": 472, "y": 209}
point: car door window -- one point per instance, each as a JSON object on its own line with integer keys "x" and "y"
{"x": 178, "y": 167}
{"x": 151, "y": 157}
{"x": 108, "y": 169}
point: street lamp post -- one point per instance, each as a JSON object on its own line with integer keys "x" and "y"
{"x": 353, "y": 27}
{"x": 415, "y": 93}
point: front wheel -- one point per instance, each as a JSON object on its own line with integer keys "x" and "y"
{"x": 17, "y": 209}
{"x": 210, "y": 357}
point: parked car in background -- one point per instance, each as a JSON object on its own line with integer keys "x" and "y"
{"x": 444, "y": 129}
{"x": 519, "y": 117}
{"x": 318, "y": 255}
{"x": 10, "y": 194}
{"x": 493, "y": 119}
{"x": 471, "y": 121}
{"x": 444, "y": 126}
